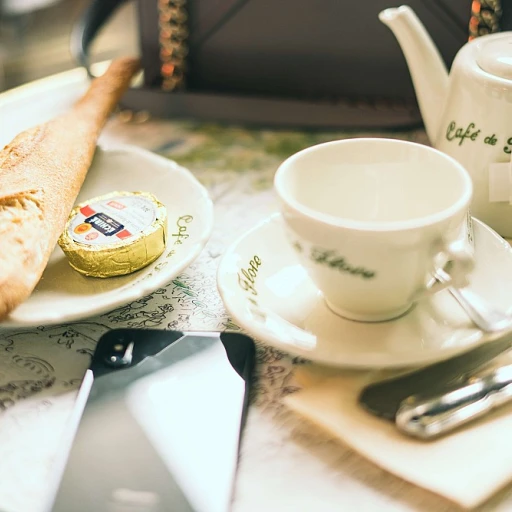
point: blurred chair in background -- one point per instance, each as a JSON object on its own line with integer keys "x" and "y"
{"x": 35, "y": 38}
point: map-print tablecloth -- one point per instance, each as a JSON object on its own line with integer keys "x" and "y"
{"x": 286, "y": 464}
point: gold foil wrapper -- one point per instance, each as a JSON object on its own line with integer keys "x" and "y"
{"x": 119, "y": 258}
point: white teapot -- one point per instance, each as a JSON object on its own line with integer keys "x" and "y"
{"x": 468, "y": 113}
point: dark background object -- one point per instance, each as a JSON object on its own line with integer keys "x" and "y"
{"x": 35, "y": 35}
{"x": 311, "y": 48}
{"x": 251, "y": 61}
{"x": 306, "y": 63}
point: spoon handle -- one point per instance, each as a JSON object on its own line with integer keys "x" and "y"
{"x": 481, "y": 314}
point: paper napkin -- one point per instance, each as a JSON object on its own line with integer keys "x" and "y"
{"x": 467, "y": 466}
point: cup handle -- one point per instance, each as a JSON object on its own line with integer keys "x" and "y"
{"x": 458, "y": 264}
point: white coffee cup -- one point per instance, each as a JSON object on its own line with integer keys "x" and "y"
{"x": 371, "y": 218}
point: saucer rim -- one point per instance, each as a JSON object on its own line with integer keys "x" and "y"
{"x": 474, "y": 338}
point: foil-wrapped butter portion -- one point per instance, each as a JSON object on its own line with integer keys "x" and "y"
{"x": 115, "y": 234}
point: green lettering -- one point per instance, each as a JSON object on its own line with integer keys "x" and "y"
{"x": 449, "y": 131}
{"x": 491, "y": 139}
{"x": 246, "y": 285}
{"x": 335, "y": 261}
{"x": 320, "y": 256}
{"x": 460, "y": 133}
{"x": 247, "y": 276}
{"x": 507, "y": 149}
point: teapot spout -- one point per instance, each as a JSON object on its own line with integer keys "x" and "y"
{"x": 427, "y": 68}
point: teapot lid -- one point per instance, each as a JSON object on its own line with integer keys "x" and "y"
{"x": 494, "y": 55}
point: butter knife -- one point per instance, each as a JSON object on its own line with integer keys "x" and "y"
{"x": 432, "y": 417}
{"x": 419, "y": 397}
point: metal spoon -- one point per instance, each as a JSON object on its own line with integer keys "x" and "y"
{"x": 481, "y": 314}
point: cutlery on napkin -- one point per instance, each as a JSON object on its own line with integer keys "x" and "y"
{"x": 466, "y": 467}
{"x": 438, "y": 398}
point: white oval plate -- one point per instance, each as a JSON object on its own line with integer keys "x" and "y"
{"x": 269, "y": 294}
{"x": 64, "y": 295}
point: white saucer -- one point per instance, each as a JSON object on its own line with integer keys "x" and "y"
{"x": 64, "y": 295}
{"x": 286, "y": 310}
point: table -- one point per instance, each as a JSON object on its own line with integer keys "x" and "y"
{"x": 286, "y": 464}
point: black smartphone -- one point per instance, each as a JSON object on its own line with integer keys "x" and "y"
{"x": 158, "y": 423}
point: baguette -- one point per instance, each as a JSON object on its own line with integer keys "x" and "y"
{"x": 41, "y": 173}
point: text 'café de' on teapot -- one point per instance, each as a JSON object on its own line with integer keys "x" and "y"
{"x": 467, "y": 113}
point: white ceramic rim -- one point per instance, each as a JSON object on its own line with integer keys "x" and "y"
{"x": 462, "y": 203}
{"x": 469, "y": 59}
{"x": 470, "y": 341}
{"x": 138, "y": 288}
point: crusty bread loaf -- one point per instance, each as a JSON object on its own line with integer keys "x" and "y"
{"x": 41, "y": 172}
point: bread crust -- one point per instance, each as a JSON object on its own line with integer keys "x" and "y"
{"x": 41, "y": 173}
